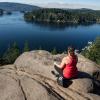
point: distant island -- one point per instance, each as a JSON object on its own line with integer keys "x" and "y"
{"x": 51, "y": 15}
{"x": 1, "y": 12}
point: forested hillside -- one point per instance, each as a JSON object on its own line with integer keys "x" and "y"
{"x": 17, "y": 7}
{"x": 63, "y": 16}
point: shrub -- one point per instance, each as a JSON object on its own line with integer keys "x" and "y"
{"x": 92, "y": 52}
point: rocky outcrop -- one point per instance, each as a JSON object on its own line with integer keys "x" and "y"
{"x": 10, "y": 89}
{"x": 30, "y": 78}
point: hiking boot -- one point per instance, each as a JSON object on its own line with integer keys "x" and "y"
{"x": 55, "y": 74}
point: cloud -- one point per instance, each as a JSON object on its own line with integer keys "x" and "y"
{"x": 67, "y": 5}
{"x": 57, "y": 3}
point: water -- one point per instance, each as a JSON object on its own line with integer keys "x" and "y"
{"x": 14, "y": 28}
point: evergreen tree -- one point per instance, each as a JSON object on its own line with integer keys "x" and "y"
{"x": 93, "y": 51}
{"x": 40, "y": 48}
{"x": 54, "y": 51}
{"x": 11, "y": 54}
{"x": 26, "y": 46}
{"x": 63, "y": 16}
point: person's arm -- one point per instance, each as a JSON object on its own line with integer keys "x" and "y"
{"x": 76, "y": 58}
{"x": 56, "y": 64}
{"x": 63, "y": 63}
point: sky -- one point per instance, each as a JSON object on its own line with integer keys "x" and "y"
{"x": 93, "y": 4}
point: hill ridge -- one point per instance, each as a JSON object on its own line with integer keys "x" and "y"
{"x": 10, "y": 6}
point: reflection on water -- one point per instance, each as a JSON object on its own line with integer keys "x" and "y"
{"x": 58, "y": 26}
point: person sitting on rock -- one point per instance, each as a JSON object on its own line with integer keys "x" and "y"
{"x": 67, "y": 69}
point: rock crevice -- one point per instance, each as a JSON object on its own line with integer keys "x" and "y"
{"x": 22, "y": 89}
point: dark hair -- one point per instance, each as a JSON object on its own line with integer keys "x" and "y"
{"x": 71, "y": 49}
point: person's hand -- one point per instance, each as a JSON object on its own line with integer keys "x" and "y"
{"x": 55, "y": 63}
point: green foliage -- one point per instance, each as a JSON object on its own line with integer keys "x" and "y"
{"x": 63, "y": 16}
{"x": 11, "y": 54}
{"x": 28, "y": 16}
{"x": 40, "y": 48}
{"x": 54, "y": 51}
{"x": 26, "y": 46}
{"x": 93, "y": 51}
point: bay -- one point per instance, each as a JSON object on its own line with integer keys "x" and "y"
{"x": 48, "y": 36}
